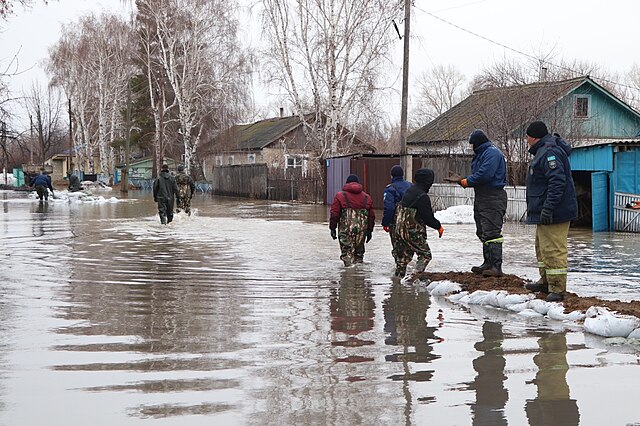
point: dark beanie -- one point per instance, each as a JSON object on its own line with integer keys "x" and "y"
{"x": 424, "y": 176}
{"x": 537, "y": 130}
{"x": 477, "y": 138}
{"x": 396, "y": 171}
{"x": 353, "y": 178}
{"x": 165, "y": 168}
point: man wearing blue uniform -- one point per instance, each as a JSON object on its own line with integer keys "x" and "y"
{"x": 393, "y": 194}
{"x": 551, "y": 206}
{"x": 488, "y": 179}
{"x": 42, "y": 183}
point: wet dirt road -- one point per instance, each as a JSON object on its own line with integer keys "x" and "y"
{"x": 243, "y": 314}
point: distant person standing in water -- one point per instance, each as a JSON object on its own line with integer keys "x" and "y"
{"x": 186, "y": 188}
{"x": 42, "y": 183}
{"x": 164, "y": 191}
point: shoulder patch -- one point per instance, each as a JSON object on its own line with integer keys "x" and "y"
{"x": 553, "y": 163}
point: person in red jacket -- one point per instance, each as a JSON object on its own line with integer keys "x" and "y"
{"x": 353, "y": 216}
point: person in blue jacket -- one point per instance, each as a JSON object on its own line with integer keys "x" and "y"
{"x": 393, "y": 194}
{"x": 42, "y": 183}
{"x": 551, "y": 206}
{"x": 488, "y": 179}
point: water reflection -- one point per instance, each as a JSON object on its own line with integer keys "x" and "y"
{"x": 491, "y": 395}
{"x": 42, "y": 213}
{"x": 553, "y": 404}
{"x": 352, "y": 313}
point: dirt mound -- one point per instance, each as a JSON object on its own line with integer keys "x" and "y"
{"x": 513, "y": 284}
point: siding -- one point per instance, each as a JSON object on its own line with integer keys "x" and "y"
{"x": 593, "y": 158}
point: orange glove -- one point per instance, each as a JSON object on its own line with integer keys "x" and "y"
{"x": 440, "y": 232}
{"x": 386, "y": 228}
{"x": 463, "y": 183}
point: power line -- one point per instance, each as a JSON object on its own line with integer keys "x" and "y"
{"x": 504, "y": 46}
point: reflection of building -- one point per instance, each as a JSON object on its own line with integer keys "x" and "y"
{"x": 491, "y": 395}
{"x": 352, "y": 312}
{"x": 552, "y": 404}
{"x": 406, "y": 327}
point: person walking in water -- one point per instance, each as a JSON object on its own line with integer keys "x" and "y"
{"x": 186, "y": 188}
{"x": 393, "y": 194}
{"x": 413, "y": 215}
{"x": 488, "y": 179}
{"x": 42, "y": 183}
{"x": 353, "y": 216}
{"x": 164, "y": 191}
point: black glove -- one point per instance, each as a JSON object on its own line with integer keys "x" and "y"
{"x": 369, "y": 236}
{"x": 333, "y": 234}
{"x": 546, "y": 217}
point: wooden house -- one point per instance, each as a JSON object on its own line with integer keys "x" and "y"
{"x": 603, "y": 130}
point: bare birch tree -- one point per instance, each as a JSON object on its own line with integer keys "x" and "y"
{"x": 328, "y": 57}
{"x": 439, "y": 89}
{"x": 46, "y": 108}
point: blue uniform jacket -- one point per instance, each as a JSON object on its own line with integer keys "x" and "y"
{"x": 393, "y": 194}
{"x": 488, "y": 167}
{"x": 42, "y": 180}
{"x": 549, "y": 181}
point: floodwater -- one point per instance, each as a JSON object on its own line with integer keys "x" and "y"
{"x": 243, "y": 314}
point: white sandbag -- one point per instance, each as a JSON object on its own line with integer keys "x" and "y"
{"x": 635, "y": 334}
{"x": 513, "y": 299}
{"x": 540, "y": 306}
{"x": 492, "y": 298}
{"x": 443, "y": 288}
{"x": 518, "y": 307}
{"x": 478, "y": 297}
{"x": 602, "y": 322}
{"x": 529, "y": 313}
{"x": 455, "y": 298}
{"x": 465, "y": 299}
{"x": 556, "y": 312}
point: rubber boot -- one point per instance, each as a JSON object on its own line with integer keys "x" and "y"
{"x": 540, "y": 285}
{"x": 163, "y": 219}
{"x": 421, "y": 265}
{"x": 486, "y": 264}
{"x": 495, "y": 257}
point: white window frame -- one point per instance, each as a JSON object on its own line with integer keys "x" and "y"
{"x": 218, "y": 160}
{"x": 251, "y": 158}
{"x": 231, "y": 160}
{"x": 575, "y": 106}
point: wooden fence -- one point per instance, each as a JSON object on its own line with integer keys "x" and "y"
{"x": 445, "y": 195}
{"x": 625, "y": 219}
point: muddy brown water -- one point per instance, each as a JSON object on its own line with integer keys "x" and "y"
{"x": 242, "y": 314}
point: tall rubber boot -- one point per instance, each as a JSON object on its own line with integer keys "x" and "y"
{"x": 486, "y": 264}
{"x": 163, "y": 219}
{"x": 495, "y": 256}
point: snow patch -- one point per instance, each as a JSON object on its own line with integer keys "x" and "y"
{"x": 455, "y": 214}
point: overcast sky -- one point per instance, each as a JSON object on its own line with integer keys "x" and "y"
{"x": 588, "y": 30}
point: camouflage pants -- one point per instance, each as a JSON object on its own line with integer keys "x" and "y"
{"x": 184, "y": 192}
{"x": 352, "y": 231}
{"x": 394, "y": 243}
{"x": 411, "y": 238}
{"x": 42, "y": 191}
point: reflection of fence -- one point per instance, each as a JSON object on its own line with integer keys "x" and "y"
{"x": 144, "y": 184}
{"x": 445, "y": 195}
{"x": 625, "y": 219}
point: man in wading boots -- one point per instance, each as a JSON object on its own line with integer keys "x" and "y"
{"x": 412, "y": 214}
{"x": 488, "y": 179}
{"x": 186, "y": 188}
{"x": 393, "y": 194}
{"x": 352, "y": 214}
{"x": 551, "y": 206}
{"x": 164, "y": 190}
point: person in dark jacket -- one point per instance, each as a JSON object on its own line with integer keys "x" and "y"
{"x": 488, "y": 179}
{"x": 353, "y": 216}
{"x": 164, "y": 191}
{"x": 393, "y": 194}
{"x": 42, "y": 183}
{"x": 74, "y": 184}
{"x": 414, "y": 213}
{"x": 186, "y": 188}
{"x": 551, "y": 206}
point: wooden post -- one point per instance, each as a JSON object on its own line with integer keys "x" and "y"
{"x": 405, "y": 158}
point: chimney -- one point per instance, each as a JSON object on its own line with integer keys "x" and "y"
{"x": 543, "y": 73}
{"x": 281, "y": 112}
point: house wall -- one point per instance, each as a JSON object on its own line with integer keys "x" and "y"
{"x": 593, "y": 158}
{"x": 608, "y": 118}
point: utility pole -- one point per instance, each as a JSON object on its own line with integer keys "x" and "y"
{"x": 3, "y": 137}
{"x": 32, "y": 144}
{"x": 125, "y": 170}
{"x": 70, "y": 165}
{"x": 405, "y": 159}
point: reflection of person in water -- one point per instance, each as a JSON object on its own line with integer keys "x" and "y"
{"x": 553, "y": 404}
{"x": 406, "y": 326}
{"x": 352, "y": 312}
{"x": 491, "y": 396}
{"x": 42, "y": 213}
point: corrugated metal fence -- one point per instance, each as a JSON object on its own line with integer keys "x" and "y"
{"x": 625, "y": 219}
{"x": 445, "y": 195}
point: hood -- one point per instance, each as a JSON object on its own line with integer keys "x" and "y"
{"x": 551, "y": 140}
{"x": 353, "y": 187}
{"x": 165, "y": 175}
{"x": 562, "y": 144}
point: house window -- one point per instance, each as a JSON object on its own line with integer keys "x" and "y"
{"x": 294, "y": 161}
{"x": 218, "y": 160}
{"x": 251, "y": 158}
{"x": 582, "y": 107}
{"x": 230, "y": 160}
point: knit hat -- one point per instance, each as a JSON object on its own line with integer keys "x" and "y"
{"x": 165, "y": 168}
{"x": 396, "y": 171}
{"x": 477, "y": 138}
{"x": 180, "y": 167}
{"x": 537, "y": 130}
{"x": 424, "y": 176}
{"x": 353, "y": 178}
